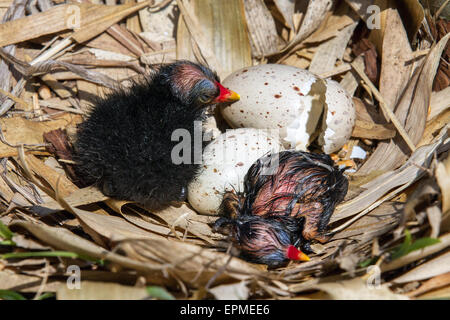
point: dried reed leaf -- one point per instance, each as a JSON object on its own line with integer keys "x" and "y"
{"x": 341, "y": 17}
{"x": 434, "y": 267}
{"x": 440, "y": 101}
{"x": 443, "y": 179}
{"x": 411, "y": 110}
{"x": 236, "y": 291}
{"x": 369, "y": 130}
{"x": 315, "y": 14}
{"x": 63, "y": 239}
{"x": 395, "y": 72}
{"x": 329, "y": 52}
{"x": 126, "y": 38}
{"x": 5, "y": 191}
{"x": 444, "y": 243}
{"x": 133, "y": 22}
{"x": 104, "y": 17}
{"x": 202, "y": 49}
{"x": 223, "y": 33}
{"x": 64, "y": 17}
{"x": 442, "y": 293}
{"x": 261, "y": 27}
{"x": 189, "y": 220}
{"x": 196, "y": 265}
{"x": 160, "y": 25}
{"x": 47, "y": 65}
{"x": 26, "y": 283}
{"x": 64, "y": 185}
{"x": 410, "y": 9}
{"x": 350, "y": 81}
{"x": 105, "y": 42}
{"x": 400, "y": 178}
{"x": 20, "y": 131}
{"x": 434, "y": 283}
{"x": 356, "y": 289}
{"x": 434, "y": 126}
{"x": 80, "y": 197}
{"x": 101, "y": 291}
{"x": 115, "y": 228}
{"x": 286, "y": 8}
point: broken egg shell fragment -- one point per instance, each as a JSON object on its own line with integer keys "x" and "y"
{"x": 226, "y": 161}
{"x": 340, "y": 118}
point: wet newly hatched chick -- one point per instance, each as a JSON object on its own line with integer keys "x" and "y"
{"x": 272, "y": 241}
{"x": 300, "y": 184}
{"x": 125, "y": 146}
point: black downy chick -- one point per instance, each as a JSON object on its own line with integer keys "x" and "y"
{"x": 125, "y": 145}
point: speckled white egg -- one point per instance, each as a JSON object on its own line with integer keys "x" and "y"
{"x": 290, "y": 100}
{"x": 226, "y": 161}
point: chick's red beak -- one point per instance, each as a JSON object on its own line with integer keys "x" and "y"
{"x": 226, "y": 95}
{"x": 294, "y": 254}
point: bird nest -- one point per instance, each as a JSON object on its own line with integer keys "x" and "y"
{"x": 391, "y": 229}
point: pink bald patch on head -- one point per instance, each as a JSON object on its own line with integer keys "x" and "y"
{"x": 187, "y": 76}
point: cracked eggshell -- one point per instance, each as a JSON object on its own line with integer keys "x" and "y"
{"x": 340, "y": 118}
{"x": 276, "y": 96}
{"x": 292, "y": 100}
{"x": 226, "y": 161}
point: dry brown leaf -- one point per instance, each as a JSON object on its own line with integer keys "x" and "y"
{"x": 77, "y": 198}
{"x": 26, "y": 283}
{"x": 20, "y": 131}
{"x": 440, "y": 101}
{"x": 105, "y": 42}
{"x": 331, "y": 51}
{"x": 63, "y": 239}
{"x": 224, "y": 34}
{"x": 410, "y": 9}
{"x": 315, "y": 14}
{"x": 341, "y": 17}
{"x": 189, "y": 220}
{"x": 236, "y": 291}
{"x": 369, "y": 130}
{"x": 351, "y": 80}
{"x": 442, "y": 293}
{"x": 262, "y": 30}
{"x": 395, "y": 72}
{"x": 160, "y": 25}
{"x": 193, "y": 264}
{"x": 443, "y": 178}
{"x": 433, "y": 127}
{"x": 444, "y": 243}
{"x": 432, "y": 284}
{"x": 91, "y": 18}
{"x": 201, "y": 43}
{"x": 105, "y": 16}
{"x": 429, "y": 269}
{"x": 287, "y": 9}
{"x": 101, "y": 291}
{"x": 400, "y": 179}
{"x": 411, "y": 111}
{"x": 356, "y": 289}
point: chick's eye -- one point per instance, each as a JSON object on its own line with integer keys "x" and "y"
{"x": 205, "y": 99}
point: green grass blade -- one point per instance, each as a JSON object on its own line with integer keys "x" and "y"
{"x": 11, "y": 295}
{"x": 62, "y": 254}
{"x": 5, "y": 233}
{"x": 159, "y": 293}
